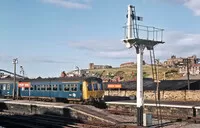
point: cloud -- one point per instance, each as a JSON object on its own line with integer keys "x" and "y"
{"x": 180, "y": 44}
{"x": 35, "y": 59}
{"x": 78, "y": 4}
{"x": 98, "y": 45}
{"x": 194, "y": 5}
{"x": 176, "y": 43}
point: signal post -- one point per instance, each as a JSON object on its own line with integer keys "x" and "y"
{"x": 140, "y": 37}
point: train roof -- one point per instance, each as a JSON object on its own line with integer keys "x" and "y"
{"x": 52, "y": 79}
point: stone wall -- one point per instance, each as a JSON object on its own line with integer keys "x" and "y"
{"x": 183, "y": 95}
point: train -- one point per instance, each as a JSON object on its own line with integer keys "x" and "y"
{"x": 85, "y": 89}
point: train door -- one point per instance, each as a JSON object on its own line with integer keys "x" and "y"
{"x": 4, "y": 89}
{"x": 75, "y": 91}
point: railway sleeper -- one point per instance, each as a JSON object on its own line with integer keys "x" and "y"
{"x": 50, "y": 120}
{"x": 13, "y": 121}
{"x": 58, "y": 119}
{"x": 33, "y": 121}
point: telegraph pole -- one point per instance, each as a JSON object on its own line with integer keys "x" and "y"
{"x": 188, "y": 74}
{"x": 15, "y": 61}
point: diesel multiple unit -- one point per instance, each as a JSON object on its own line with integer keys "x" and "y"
{"x": 72, "y": 88}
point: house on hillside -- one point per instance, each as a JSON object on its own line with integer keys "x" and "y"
{"x": 93, "y": 66}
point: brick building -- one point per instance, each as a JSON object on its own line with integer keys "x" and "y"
{"x": 93, "y": 66}
{"x": 193, "y": 69}
{"x": 128, "y": 64}
{"x": 180, "y": 62}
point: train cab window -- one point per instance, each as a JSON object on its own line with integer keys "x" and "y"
{"x": 55, "y": 88}
{"x": 60, "y": 87}
{"x": 74, "y": 87}
{"x": 8, "y": 86}
{"x": 100, "y": 87}
{"x": 42, "y": 87}
{"x": 89, "y": 87}
{"x": 49, "y": 87}
{"x": 4, "y": 86}
{"x": 66, "y": 87}
{"x": 95, "y": 87}
{"x": 38, "y": 87}
{"x": 26, "y": 88}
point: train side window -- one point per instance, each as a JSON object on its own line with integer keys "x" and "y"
{"x": 55, "y": 87}
{"x": 66, "y": 87}
{"x": 49, "y": 87}
{"x": 42, "y": 87}
{"x": 4, "y": 86}
{"x": 35, "y": 87}
{"x": 60, "y": 87}
{"x": 81, "y": 87}
{"x": 8, "y": 86}
{"x": 31, "y": 87}
{"x": 73, "y": 87}
{"x": 45, "y": 87}
{"x": 89, "y": 87}
{"x": 95, "y": 87}
{"x": 38, "y": 87}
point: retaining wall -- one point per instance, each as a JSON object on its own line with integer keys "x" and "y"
{"x": 183, "y": 95}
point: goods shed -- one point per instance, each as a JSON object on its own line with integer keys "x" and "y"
{"x": 149, "y": 84}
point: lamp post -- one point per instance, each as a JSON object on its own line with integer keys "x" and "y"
{"x": 188, "y": 74}
{"x": 78, "y": 70}
{"x": 22, "y": 71}
{"x": 15, "y": 61}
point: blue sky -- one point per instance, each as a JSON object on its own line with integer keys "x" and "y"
{"x": 50, "y": 36}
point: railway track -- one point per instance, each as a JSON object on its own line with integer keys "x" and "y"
{"x": 10, "y": 120}
{"x": 167, "y": 117}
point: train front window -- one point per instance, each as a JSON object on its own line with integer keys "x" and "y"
{"x": 100, "y": 87}
{"x": 95, "y": 86}
{"x": 89, "y": 87}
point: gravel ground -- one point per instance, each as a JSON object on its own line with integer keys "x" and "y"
{"x": 183, "y": 125}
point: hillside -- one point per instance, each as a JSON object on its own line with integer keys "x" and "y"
{"x": 130, "y": 73}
